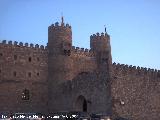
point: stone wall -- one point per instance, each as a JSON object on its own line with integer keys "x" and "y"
{"x": 136, "y": 92}
{"x": 23, "y": 67}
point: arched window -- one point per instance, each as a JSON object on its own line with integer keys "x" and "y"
{"x": 25, "y": 94}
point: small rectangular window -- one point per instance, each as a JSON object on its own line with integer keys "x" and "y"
{"x": 29, "y": 74}
{"x": 37, "y": 58}
{"x": 1, "y": 54}
{"x": 14, "y": 73}
{"x": 37, "y": 73}
{"x": 29, "y": 59}
{"x": 25, "y": 94}
{"x": 15, "y": 57}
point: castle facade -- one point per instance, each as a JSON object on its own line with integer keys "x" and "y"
{"x": 61, "y": 77}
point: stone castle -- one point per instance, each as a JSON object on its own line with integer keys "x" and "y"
{"x": 61, "y": 77}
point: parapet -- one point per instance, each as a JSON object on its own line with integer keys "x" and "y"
{"x": 82, "y": 51}
{"x": 23, "y": 45}
{"x": 57, "y": 25}
{"x": 129, "y": 69}
{"x": 99, "y": 36}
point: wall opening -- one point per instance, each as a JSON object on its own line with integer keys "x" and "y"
{"x": 25, "y": 94}
{"x": 14, "y": 73}
{"x": 1, "y": 54}
{"x": 29, "y": 59}
{"x": 15, "y": 57}
{"x": 38, "y": 59}
{"x": 81, "y": 104}
{"x": 29, "y": 74}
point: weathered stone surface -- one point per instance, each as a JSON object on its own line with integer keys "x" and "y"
{"x": 61, "y": 77}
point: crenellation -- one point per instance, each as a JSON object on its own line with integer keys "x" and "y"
{"x": 15, "y": 42}
{"x": 73, "y": 47}
{"x": 9, "y": 42}
{"x": 21, "y": 44}
{"x": 129, "y": 69}
{"x": 46, "y": 47}
{"x": 31, "y": 45}
{"x": 42, "y": 47}
{"x": 127, "y": 66}
{"x": 97, "y": 34}
{"x": 36, "y": 46}
{"x": 35, "y": 68}
{"x": 26, "y": 44}
{"x": 82, "y": 49}
{"x": 102, "y": 34}
{"x": 67, "y": 25}
{"x": 86, "y": 50}
{"x": 57, "y": 25}
{"x": 4, "y": 42}
{"x": 77, "y": 48}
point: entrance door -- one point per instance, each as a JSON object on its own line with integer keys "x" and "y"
{"x": 81, "y": 104}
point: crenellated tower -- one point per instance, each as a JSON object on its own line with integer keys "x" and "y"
{"x": 59, "y": 47}
{"x": 59, "y": 38}
{"x": 100, "y": 45}
{"x": 60, "y": 64}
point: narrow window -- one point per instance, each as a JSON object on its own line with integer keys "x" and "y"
{"x": 1, "y": 54}
{"x": 25, "y": 94}
{"x": 15, "y": 57}
{"x": 0, "y": 71}
{"x": 37, "y": 58}
{"x": 14, "y": 73}
{"x": 37, "y": 73}
{"x": 29, "y": 59}
{"x": 29, "y": 74}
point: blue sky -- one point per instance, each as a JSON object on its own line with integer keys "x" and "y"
{"x": 134, "y": 25}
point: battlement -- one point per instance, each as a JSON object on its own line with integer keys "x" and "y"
{"x": 82, "y": 51}
{"x": 59, "y": 25}
{"x": 23, "y": 45}
{"x": 135, "y": 70}
{"x": 99, "y": 36}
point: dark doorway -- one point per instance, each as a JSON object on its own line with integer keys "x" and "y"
{"x": 84, "y": 106}
{"x": 81, "y": 104}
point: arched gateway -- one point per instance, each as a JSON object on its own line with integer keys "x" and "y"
{"x": 81, "y": 104}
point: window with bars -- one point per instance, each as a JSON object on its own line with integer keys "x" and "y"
{"x": 25, "y": 94}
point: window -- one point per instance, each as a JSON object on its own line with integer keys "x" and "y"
{"x": 0, "y": 71}
{"x": 37, "y": 73}
{"x": 67, "y": 52}
{"x": 14, "y": 73}
{"x": 29, "y": 74}
{"x": 25, "y": 94}
{"x": 1, "y": 54}
{"x": 15, "y": 57}
{"x": 29, "y": 59}
{"x": 37, "y": 58}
